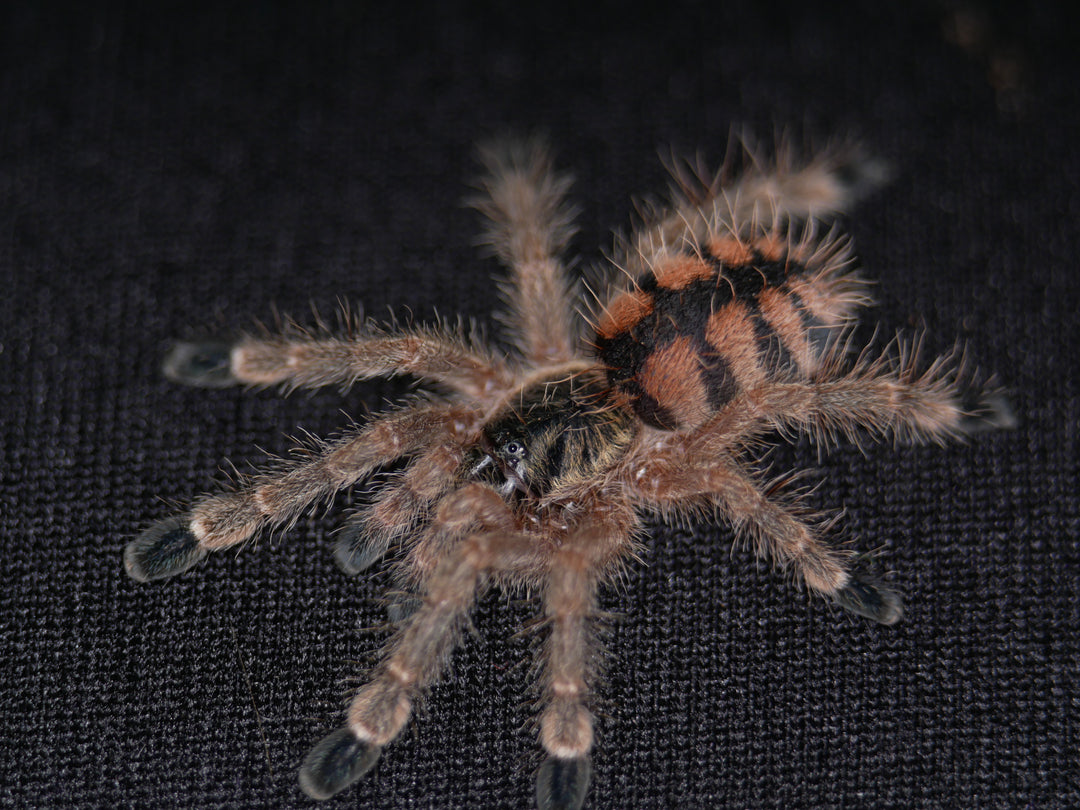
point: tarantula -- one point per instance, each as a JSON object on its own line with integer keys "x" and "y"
{"x": 531, "y": 468}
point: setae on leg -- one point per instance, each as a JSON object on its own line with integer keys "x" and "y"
{"x": 278, "y": 498}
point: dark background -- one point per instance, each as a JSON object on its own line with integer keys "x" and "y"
{"x": 165, "y": 176}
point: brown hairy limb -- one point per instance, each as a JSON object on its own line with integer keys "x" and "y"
{"x": 277, "y": 498}
{"x": 580, "y": 563}
{"x": 887, "y": 395}
{"x": 750, "y": 188}
{"x": 419, "y": 650}
{"x": 668, "y": 483}
{"x": 398, "y": 511}
{"x": 307, "y": 361}
{"x": 529, "y": 224}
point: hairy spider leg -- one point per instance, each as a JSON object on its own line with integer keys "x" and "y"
{"x": 277, "y": 498}
{"x": 783, "y": 190}
{"x": 585, "y": 559}
{"x": 675, "y": 477}
{"x": 418, "y": 652}
{"x": 308, "y": 361}
{"x": 886, "y": 395}
{"x": 399, "y": 509}
{"x": 529, "y": 224}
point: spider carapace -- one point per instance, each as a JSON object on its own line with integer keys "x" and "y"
{"x": 725, "y": 321}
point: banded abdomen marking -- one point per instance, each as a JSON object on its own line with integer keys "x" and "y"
{"x": 698, "y": 329}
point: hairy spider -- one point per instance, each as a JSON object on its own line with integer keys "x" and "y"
{"x": 530, "y": 470}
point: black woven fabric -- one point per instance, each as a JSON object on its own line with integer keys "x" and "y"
{"x": 172, "y": 174}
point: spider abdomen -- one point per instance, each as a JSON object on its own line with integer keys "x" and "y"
{"x": 699, "y": 327}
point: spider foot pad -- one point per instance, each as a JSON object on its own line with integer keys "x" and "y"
{"x": 562, "y": 784}
{"x": 206, "y": 364}
{"x": 870, "y": 601}
{"x": 993, "y": 412}
{"x": 164, "y": 550}
{"x": 336, "y": 762}
{"x": 354, "y": 555}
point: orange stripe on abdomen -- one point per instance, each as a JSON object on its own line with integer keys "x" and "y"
{"x": 732, "y": 334}
{"x": 672, "y": 377}
{"x": 677, "y": 272}
{"x": 782, "y": 315}
{"x": 624, "y": 313}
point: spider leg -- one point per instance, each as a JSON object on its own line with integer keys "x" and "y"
{"x": 278, "y": 498}
{"x": 668, "y": 480}
{"x": 787, "y": 187}
{"x": 782, "y": 535}
{"x": 399, "y": 509}
{"x": 886, "y": 395}
{"x": 577, "y": 566}
{"x": 529, "y": 223}
{"x": 749, "y": 190}
{"x": 306, "y": 361}
{"x": 419, "y": 650}
{"x": 821, "y": 186}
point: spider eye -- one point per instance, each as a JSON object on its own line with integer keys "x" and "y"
{"x": 513, "y": 449}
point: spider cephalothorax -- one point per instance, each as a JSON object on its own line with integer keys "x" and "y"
{"x": 728, "y": 323}
{"x": 560, "y": 434}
